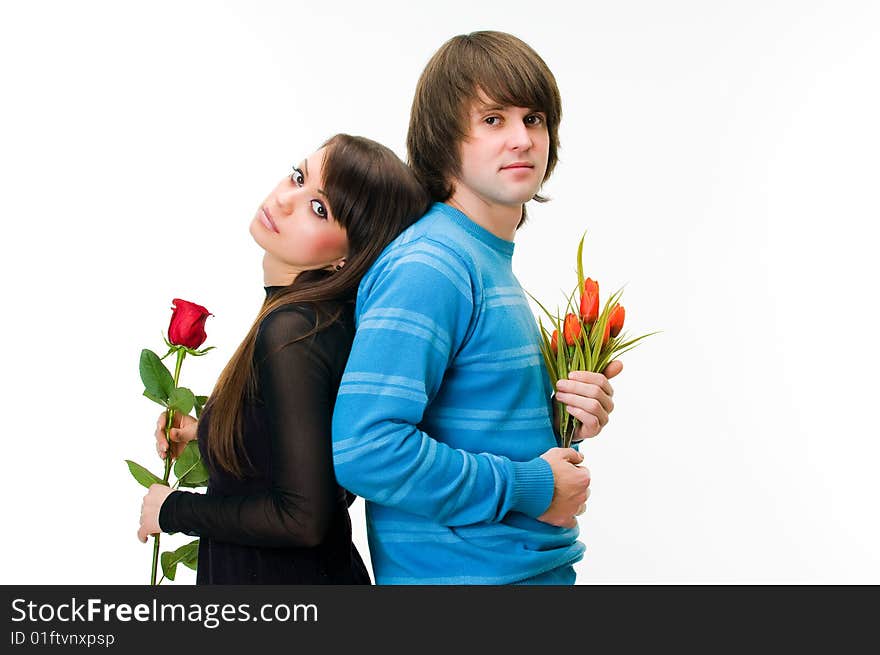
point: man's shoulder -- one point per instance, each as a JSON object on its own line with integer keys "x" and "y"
{"x": 434, "y": 236}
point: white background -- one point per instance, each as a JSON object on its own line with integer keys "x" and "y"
{"x": 723, "y": 157}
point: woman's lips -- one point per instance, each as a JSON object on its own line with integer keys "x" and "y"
{"x": 517, "y": 165}
{"x": 266, "y": 219}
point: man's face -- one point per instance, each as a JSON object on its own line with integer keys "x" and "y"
{"x": 504, "y": 156}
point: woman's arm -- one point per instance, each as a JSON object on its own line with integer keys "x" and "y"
{"x": 297, "y": 386}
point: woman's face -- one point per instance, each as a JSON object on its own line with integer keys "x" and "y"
{"x": 295, "y": 226}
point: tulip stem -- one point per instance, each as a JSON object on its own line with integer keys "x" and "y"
{"x": 181, "y": 353}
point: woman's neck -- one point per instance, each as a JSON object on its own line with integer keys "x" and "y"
{"x": 277, "y": 274}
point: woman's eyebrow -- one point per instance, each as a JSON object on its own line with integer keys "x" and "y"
{"x": 306, "y": 167}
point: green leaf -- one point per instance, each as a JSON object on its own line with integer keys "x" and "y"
{"x": 155, "y": 399}
{"x": 200, "y": 405}
{"x": 196, "y": 476}
{"x": 156, "y": 378}
{"x": 191, "y": 554}
{"x": 552, "y": 317}
{"x": 580, "y": 263}
{"x": 142, "y": 475}
{"x": 547, "y": 353}
{"x": 188, "y": 555}
{"x": 181, "y": 400}
{"x": 169, "y": 564}
{"x": 187, "y": 467}
{"x": 572, "y": 309}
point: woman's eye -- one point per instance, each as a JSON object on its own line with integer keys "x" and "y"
{"x": 297, "y": 177}
{"x": 534, "y": 119}
{"x": 319, "y": 209}
{"x": 491, "y": 120}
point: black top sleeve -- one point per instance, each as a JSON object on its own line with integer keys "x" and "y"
{"x": 297, "y": 385}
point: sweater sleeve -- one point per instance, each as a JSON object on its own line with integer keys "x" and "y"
{"x": 414, "y": 312}
{"x": 295, "y": 381}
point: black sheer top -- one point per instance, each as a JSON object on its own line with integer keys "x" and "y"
{"x": 286, "y": 522}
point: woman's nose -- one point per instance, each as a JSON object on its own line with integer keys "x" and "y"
{"x": 286, "y": 199}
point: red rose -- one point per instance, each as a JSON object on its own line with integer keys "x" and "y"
{"x": 187, "y": 327}
{"x": 554, "y": 342}
{"x": 590, "y": 301}
{"x": 571, "y": 329}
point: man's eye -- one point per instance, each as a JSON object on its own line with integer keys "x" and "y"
{"x": 491, "y": 120}
{"x": 534, "y": 119}
{"x": 297, "y": 177}
{"x": 319, "y": 209}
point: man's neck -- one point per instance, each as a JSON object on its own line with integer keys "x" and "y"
{"x": 500, "y": 220}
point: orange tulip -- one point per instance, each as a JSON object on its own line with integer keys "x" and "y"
{"x": 554, "y": 342}
{"x": 615, "y": 320}
{"x": 571, "y": 329}
{"x": 590, "y": 301}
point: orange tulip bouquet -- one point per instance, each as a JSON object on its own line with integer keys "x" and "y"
{"x": 591, "y": 339}
{"x": 186, "y": 333}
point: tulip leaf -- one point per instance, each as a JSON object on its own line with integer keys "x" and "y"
{"x": 552, "y": 318}
{"x": 156, "y": 378}
{"x": 142, "y": 475}
{"x": 547, "y": 354}
{"x": 181, "y": 400}
{"x": 580, "y": 263}
{"x": 200, "y": 405}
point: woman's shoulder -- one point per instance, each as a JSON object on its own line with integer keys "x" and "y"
{"x": 297, "y": 320}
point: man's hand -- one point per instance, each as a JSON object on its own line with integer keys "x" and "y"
{"x": 183, "y": 430}
{"x": 570, "y": 487}
{"x": 587, "y": 397}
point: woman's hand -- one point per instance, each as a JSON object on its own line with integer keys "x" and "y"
{"x": 150, "y": 510}
{"x": 183, "y": 430}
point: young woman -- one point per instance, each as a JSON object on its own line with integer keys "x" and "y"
{"x": 273, "y": 512}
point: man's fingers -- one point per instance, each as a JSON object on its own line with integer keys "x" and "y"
{"x": 597, "y": 388}
{"x": 590, "y": 422}
{"x": 573, "y": 456}
{"x": 592, "y": 378}
{"x": 589, "y": 398}
{"x": 614, "y": 368}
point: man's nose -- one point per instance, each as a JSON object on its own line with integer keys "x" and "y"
{"x": 519, "y": 137}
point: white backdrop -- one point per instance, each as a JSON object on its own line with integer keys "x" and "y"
{"x": 722, "y": 156}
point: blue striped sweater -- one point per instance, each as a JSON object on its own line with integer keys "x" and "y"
{"x": 444, "y": 410}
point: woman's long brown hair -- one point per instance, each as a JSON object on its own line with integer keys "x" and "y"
{"x": 374, "y": 196}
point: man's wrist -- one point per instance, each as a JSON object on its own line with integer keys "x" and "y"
{"x": 532, "y": 487}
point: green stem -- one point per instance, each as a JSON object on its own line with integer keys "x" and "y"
{"x": 181, "y": 353}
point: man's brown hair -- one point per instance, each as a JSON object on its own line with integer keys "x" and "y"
{"x": 506, "y": 70}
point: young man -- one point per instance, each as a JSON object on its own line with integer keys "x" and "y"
{"x": 443, "y": 421}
